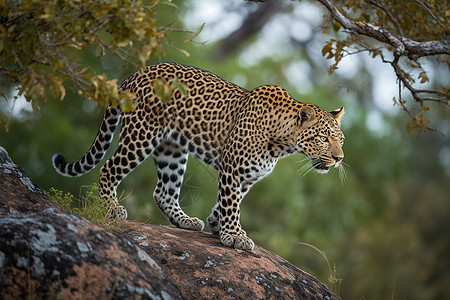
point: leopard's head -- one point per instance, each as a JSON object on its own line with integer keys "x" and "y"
{"x": 320, "y": 137}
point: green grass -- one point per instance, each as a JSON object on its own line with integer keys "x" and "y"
{"x": 89, "y": 206}
{"x": 334, "y": 281}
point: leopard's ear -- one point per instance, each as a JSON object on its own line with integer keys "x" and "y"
{"x": 338, "y": 114}
{"x": 307, "y": 117}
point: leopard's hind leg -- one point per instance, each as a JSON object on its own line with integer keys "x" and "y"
{"x": 135, "y": 145}
{"x": 171, "y": 164}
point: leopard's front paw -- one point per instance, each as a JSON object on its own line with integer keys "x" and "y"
{"x": 118, "y": 212}
{"x": 191, "y": 223}
{"x": 238, "y": 240}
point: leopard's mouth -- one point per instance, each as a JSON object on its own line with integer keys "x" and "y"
{"x": 319, "y": 164}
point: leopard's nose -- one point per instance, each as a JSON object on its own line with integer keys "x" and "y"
{"x": 338, "y": 159}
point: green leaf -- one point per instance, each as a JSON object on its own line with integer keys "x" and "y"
{"x": 189, "y": 40}
{"x": 180, "y": 86}
{"x": 162, "y": 89}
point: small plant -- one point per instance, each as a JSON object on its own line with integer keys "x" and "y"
{"x": 335, "y": 282}
{"x": 90, "y": 206}
{"x": 65, "y": 200}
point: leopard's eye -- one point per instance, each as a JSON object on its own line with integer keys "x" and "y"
{"x": 323, "y": 139}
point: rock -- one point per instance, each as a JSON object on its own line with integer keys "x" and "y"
{"x": 48, "y": 253}
{"x": 17, "y": 191}
{"x": 51, "y": 254}
{"x": 205, "y": 269}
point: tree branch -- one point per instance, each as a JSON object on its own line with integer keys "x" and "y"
{"x": 430, "y": 12}
{"x": 403, "y": 46}
{"x": 388, "y": 13}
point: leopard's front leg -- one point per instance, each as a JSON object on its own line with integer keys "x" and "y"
{"x": 230, "y": 195}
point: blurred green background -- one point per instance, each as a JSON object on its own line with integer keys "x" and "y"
{"x": 385, "y": 229}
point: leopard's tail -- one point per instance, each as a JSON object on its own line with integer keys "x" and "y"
{"x": 96, "y": 152}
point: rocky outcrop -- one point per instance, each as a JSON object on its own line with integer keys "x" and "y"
{"x": 47, "y": 253}
{"x": 204, "y": 269}
{"x": 17, "y": 191}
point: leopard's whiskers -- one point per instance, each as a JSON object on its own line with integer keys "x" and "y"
{"x": 305, "y": 167}
{"x": 343, "y": 172}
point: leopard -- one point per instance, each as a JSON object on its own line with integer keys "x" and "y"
{"x": 240, "y": 133}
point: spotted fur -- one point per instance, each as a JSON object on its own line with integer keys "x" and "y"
{"x": 240, "y": 133}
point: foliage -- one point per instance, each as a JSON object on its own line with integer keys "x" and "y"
{"x": 41, "y": 43}
{"x": 403, "y": 30}
{"x": 63, "y": 199}
{"x": 165, "y": 89}
{"x": 89, "y": 206}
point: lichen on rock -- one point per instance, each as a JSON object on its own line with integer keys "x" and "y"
{"x": 38, "y": 258}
